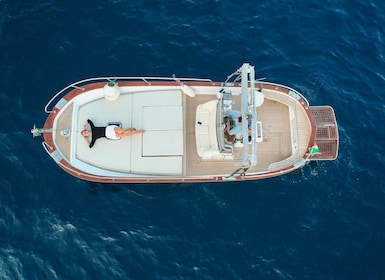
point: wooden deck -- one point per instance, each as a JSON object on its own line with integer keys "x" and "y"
{"x": 276, "y": 145}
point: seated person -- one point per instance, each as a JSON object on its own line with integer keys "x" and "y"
{"x": 232, "y": 126}
{"x": 109, "y": 132}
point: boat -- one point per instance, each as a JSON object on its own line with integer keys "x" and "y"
{"x": 195, "y": 130}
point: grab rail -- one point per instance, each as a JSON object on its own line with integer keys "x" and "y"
{"x": 77, "y": 85}
{"x": 237, "y": 76}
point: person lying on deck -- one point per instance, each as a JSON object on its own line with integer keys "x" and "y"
{"x": 109, "y": 132}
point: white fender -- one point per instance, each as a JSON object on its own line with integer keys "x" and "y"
{"x": 188, "y": 90}
{"x": 258, "y": 98}
{"x": 111, "y": 91}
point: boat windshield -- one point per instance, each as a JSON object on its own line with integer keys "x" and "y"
{"x": 223, "y": 104}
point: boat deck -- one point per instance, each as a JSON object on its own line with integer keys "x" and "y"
{"x": 275, "y": 147}
{"x": 285, "y": 128}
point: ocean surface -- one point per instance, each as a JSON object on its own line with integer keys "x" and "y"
{"x": 325, "y": 222}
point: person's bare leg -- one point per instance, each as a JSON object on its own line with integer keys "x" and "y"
{"x": 119, "y": 130}
{"x": 133, "y": 132}
{"x": 124, "y": 132}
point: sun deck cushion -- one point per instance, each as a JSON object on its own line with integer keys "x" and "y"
{"x": 164, "y": 131}
{"x": 205, "y": 129}
{"x": 106, "y": 154}
{"x": 102, "y": 111}
{"x": 160, "y": 149}
{"x": 162, "y": 117}
{"x": 162, "y": 143}
{"x": 110, "y": 155}
{"x": 154, "y": 99}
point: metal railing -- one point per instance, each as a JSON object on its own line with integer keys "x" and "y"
{"x": 78, "y": 85}
{"x": 291, "y": 90}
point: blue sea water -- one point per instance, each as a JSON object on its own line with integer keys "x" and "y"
{"x": 325, "y": 222}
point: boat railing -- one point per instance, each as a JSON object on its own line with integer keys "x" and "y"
{"x": 147, "y": 80}
{"x": 294, "y": 93}
{"x": 294, "y": 159}
{"x": 237, "y": 76}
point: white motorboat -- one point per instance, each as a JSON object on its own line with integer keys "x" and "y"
{"x": 195, "y": 130}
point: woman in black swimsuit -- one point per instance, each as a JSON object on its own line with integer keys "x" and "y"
{"x": 110, "y": 132}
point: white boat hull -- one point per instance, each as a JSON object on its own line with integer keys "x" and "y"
{"x": 184, "y": 130}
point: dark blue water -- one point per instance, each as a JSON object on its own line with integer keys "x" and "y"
{"x": 324, "y": 222}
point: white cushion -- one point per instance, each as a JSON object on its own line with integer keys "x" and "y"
{"x": 206, "y": 129}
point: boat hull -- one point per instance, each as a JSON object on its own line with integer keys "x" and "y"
{"x": 184, "y": 131}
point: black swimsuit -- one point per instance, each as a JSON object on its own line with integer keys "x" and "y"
{"x": 97, "y": 132}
